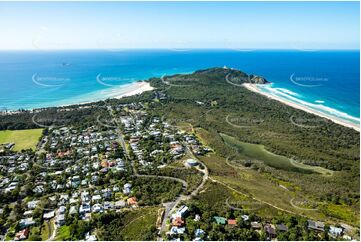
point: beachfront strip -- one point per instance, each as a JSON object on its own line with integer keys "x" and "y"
{"x": 77, "y": 173}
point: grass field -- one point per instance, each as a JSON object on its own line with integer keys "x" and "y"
{"x": 23, "y": 139}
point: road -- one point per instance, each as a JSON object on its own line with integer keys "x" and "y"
{"x": 120, "y": 135}
{"x": 170, "y": 206}
{"x": 53, "y": 232}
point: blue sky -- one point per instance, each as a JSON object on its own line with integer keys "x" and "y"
{"x": 242, "y": 25}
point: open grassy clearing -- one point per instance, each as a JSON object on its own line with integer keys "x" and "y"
{"x": 254, "y": 185}
{"x": 258, "y": 152}
{"x": 63, "y": 233}
{"x": 23, "y": 139}
{"x": 184, "y": 126}
{"x": 220, "y": 198}
{"x": 139, "y": 223}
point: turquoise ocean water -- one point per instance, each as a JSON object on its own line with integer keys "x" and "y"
{"x": 324, "y": 80}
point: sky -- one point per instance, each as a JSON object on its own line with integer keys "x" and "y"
{"x": 179, "y": 25}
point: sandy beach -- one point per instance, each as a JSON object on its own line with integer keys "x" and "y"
{"x": 119, "y": 92}
{"x": 134, "y": 89}
{"x": 254, "y": 88}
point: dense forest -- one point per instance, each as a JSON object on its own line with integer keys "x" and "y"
{"x": 84, "y": 115}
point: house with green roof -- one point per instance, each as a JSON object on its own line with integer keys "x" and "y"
{"x": 220, "y": 220}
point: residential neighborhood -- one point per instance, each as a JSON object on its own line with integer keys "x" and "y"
{"x": 81, "y": 173}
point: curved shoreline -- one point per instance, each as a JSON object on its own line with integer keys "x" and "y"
{"x": 254, "y": 88}
{"x": 125, "y": 90}
{"x": 120, "y": 92}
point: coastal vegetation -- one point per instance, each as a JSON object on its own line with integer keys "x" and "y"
{"x": 250, "y": 152}
{"x": 153, "y": 191}
{"x": 129, "y": 225}
{"x": 259, "y": 160}
{"x": 212, "y": 104}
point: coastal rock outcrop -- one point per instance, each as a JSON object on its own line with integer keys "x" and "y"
{"x": 258, "y": 79}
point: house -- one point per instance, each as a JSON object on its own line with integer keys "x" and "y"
{"x": 64, "y": 197}
{"x": 97, "y": 208}
{"x": 232, "y": 222}
{"x": 73, "y": 210}
{"x": 335, "y": 231}
{"x": 108, "y": 205}
{"x": 220, "y": 220}
{"x": 32, "y": 204}
{"x": 22, "y": 234}
{"x": 178, "y": 221}
{"x": 182, "y": 211}
{"x": 119, "y": 204}
{"x": 28, "y": 213}
{"x": 84, "y": 208}
{"x": 176, "y": 230}
{"x": 60, "y": 219}
{"x": 89, "y": 237}
{"x": 245, "y": 217}
{"x": 270, "y": 231}
{"x": 85, "y": 197}
{"x": 39, "y": 189}
{"x": 199, "y": 232}
{"x": 94, "y": 179}
{"x": 84, "y": 182}
{"x": 282, "y": 228}
{"x": 96, "y": 198}
{"x": 316, "y": 225}
{"x": 256, "y": 225}
{"x": 73, "y": 201}
{"x": 26, "y": 222}
{"x": 127, "y": 188}
{"x": 49, "y": 215}
{"x": 107, "y": 194}
{"x": 61, "y": 210}
{"x": 132, "y": 201}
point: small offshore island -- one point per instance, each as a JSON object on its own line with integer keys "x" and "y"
{"x": 200, "y": 156}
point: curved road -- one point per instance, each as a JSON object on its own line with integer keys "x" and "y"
{"x": 170, "y": 206}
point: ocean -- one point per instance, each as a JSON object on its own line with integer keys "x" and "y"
{"x": 323, "y": 80}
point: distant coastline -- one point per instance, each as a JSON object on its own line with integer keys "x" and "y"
{"x": 255, "y": 88}
{"x": 125, "y": 90}
{"x": 76, "y": 81}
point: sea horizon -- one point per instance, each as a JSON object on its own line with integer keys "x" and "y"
{"x": 43, "y": 80}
